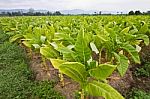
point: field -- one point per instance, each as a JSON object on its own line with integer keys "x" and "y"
{"x": 75, "y": 57}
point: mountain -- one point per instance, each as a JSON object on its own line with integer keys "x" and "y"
{"x": 79, "y": 11}
{"x": 73, "y": 11}
{"x": 21, "y": 10}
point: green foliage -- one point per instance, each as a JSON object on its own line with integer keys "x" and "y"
{"x": 102, "y": 71}
{"x": 3, "y": 37}
{"x": 82, "y": 49}
{"x": 122, "y": 63}
{"x": 132, "y": 51}
{"x": 143, "y": 71}
{"x": 87, "y": 49}
{"x": 102, "y": 89}
{"x": 74, "y": 70}
{"x": 16, "y": 79}
{"x": 44, "y": 90}
{"x": 138, "y": 94}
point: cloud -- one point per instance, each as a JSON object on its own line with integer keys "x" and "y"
{"x": 78, "y": 4}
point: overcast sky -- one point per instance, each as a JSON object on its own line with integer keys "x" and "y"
{"x": 103, "y": 5}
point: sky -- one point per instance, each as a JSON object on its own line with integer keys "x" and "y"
{"x": 53, "y": 5}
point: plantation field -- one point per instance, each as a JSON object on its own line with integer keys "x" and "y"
{"x": 86, "y": 56}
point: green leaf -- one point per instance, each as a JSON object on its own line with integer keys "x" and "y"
{"x": 64, "y": 37}
{"x": 74, "y": 70}
{"x": 143, "y": 28}
{"x": 49, "y": 33}
{"x": 82, "y": 49}
{"x": 143, "y": 37}
{"x": 122, "y": 63}
{"x": 125, "y": 30}
{"x": 16, "y": 37}
{"x": 57, "y": 62}
{"x": 27, "y": 44}
{"x": 132, "y": 51}
{"x": 36, "y": 45}
{"x": 67, "y": 53}
{"x": 102, "y": 71}
{"x": 96, "y": 88}
{"x": 49, "y": 52}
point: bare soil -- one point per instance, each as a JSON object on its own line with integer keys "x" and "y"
{"x": 122, "y": 84}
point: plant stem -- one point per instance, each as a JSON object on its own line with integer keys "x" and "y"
{"x": 99, "y": 60}
{"x": 82, "y": 94}
{"x": 45, "y": 66}
{"x": 62, "y": 80}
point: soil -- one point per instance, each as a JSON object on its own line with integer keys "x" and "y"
{"x": 122, "y": 84}
{"x": 42, "y": 72}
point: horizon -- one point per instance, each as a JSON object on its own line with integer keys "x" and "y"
{"x": 86, "y": 5}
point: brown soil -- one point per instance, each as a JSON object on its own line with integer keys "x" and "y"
{"x": 69, "y": 89}
{"x": 42, "y": 72}
{"x": 122, "y": 84}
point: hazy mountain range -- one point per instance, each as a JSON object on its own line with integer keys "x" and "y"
{"x": 74, "y": 11}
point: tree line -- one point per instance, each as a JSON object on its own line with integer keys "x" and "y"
{"x": 31, "y": 12}
{"x": 138, "y": 13}
{"x": 19, "y": 13}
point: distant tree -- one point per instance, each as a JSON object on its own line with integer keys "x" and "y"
{"x": 131, "y": 13}
{"x": 49, "y": 13}
{"x": 138, "y": 12}
{"x": 148, "y": 12}
{"x": 31, "y": 11}
{"x": 57, "y": 13}
{"x": 100, "y": 12}
{"x": 3, "y": 13}
{"x": 95, "y": 13}
{"x": 9, "y": 14}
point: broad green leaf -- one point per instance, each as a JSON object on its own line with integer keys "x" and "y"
{"x": 62, "y": 49}
{"x": 134, "y": 30}
{"x": 122, "y": 63}
{"x": 67, "y": 53}
{"x": 70, "y": 46}
{"x": 50, "y": 33}
{"x": 91, "y": 64}
{"x": 125, "y": 30}
{"x": 27, "y": 44}
{"x": 143, "y": 37}
{"x": 74, "y": 70}
{"x": 132, "y": 51}
{"x": 82, "y": 47}
{"x": 65, "y": 37}
{"x": 96, "y": 88}
{"x": 36, "y": 45}
{"x": 49, "y": 52}
{"x": 54, "y": 45}
{"x": 16, "y": 37}
{"x": 143, "y": 28}
{"x": 57, "y": 62}
{"x": 102, "y": 71}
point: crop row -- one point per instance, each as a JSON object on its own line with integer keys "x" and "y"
{"x": 87, "y": 49}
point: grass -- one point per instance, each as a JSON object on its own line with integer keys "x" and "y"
{"x": 16, "y": 78}
{"x": 138, "y": 94}
{"x": 143, "y": 71}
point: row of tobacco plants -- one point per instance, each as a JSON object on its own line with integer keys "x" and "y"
{"x": 87, "y": 49}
